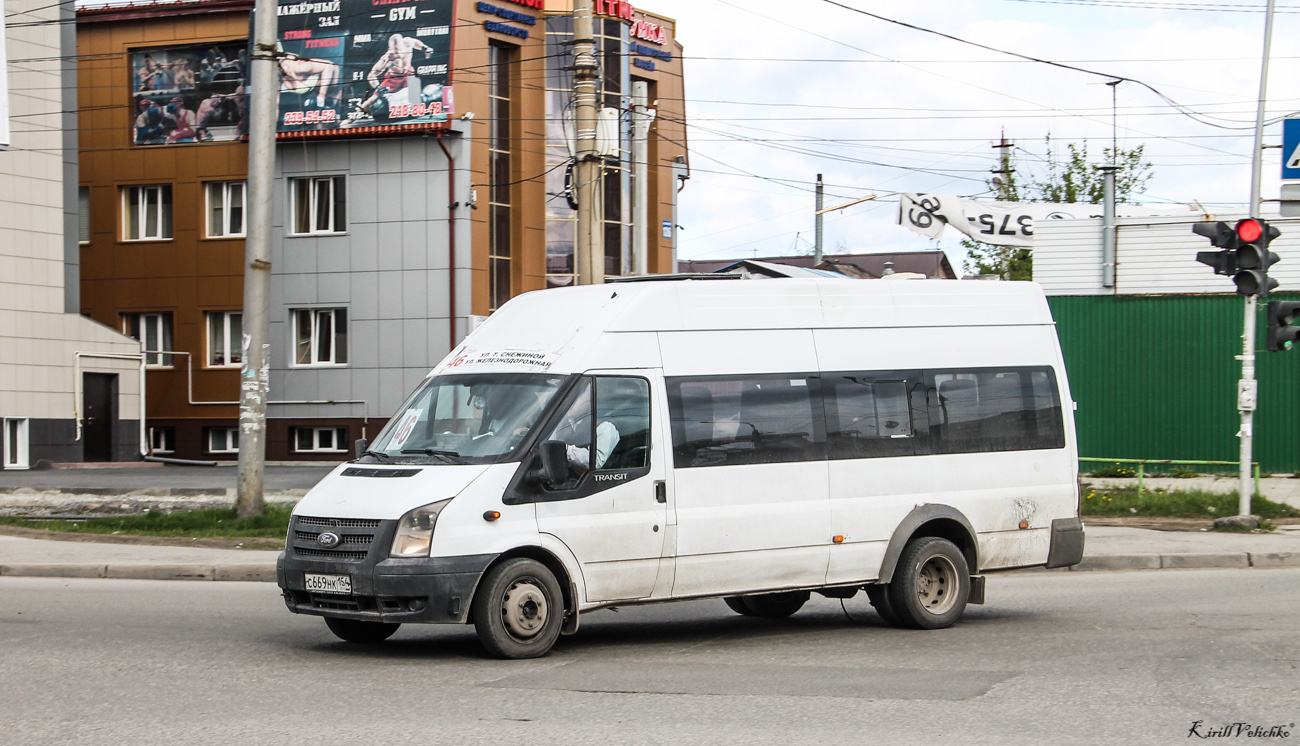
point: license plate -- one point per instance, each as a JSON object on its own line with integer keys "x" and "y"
{"x": 329, "y": 583}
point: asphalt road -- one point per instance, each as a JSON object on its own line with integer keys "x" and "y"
{"x": 1054, "y": 658}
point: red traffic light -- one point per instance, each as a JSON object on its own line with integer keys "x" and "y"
{"x": 1249, "y": 230}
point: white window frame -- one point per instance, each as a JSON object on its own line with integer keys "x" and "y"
{"x": 148, "y": 192}
{"x": 218, "y": 196}
{"x": 231, "y": 436}
{"x": 317, "y": 212}
{"x": 339, "y": 435}
{"x": 15, "y": 455}
{"x": 161, "y": 321}
{"x": 316, "y": 358}
{"x": 162, "y": 440}
{"x": 231, "y": 346}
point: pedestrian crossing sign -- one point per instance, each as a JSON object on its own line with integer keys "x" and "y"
{"x": 1291, "y": 149}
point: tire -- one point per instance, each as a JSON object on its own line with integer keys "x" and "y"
{"x": 879, "y": 595}
{"x": 776, "y": 605}
{"x": 930, "y": 585}
{"x": 737, "y": 604}
{"x": 518, "y": 609}
{"x": 351, "y": 630}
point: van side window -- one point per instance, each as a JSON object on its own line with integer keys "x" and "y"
{"x": 730, "y": 420}
{"x": 980, "y": 410}
{"x": 618, "y": 437}
{"x": 868, "y": 416}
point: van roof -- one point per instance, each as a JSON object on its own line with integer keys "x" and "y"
{"x": 555, "y": 322}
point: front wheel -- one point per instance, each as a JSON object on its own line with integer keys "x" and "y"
{"x": 518, "y": 609}
{"x": 879, "y": 596}
{"x": 737, "y": 604}
{"x": 352, "y": 630}
{"x": 930, "y": 585}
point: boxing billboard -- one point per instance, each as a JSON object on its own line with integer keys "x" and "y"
{"x": 354, "y": 64}
{"x": 189, "y": 94}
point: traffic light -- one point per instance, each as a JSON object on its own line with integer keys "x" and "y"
{"x": 1253, "y": 257}
{"x": 1222, "y": 235}
{"x": 1281, "y": 335}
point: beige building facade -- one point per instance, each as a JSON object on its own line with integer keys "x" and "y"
{"x": 69, "y": 387}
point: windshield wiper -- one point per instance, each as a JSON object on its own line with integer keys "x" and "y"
{"x": 379, "y": 455}
{"x": 450, "y": 456}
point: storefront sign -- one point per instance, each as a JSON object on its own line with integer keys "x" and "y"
{"x": 641, "y": 28}
{"x": 356, "y": 64}
{"x": 501, "y": 28}
{"x": 506, "y": 14}
{"x": 189, "y": 94}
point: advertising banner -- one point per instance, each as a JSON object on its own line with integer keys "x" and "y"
{"x": 364, "y": 63}
{"x": 1004, "y": 223}
{"x": 189, "y": 94}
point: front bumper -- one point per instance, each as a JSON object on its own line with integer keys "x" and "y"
{"x": 428, "y": 590}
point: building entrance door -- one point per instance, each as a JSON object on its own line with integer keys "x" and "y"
{"x": 99, "y": 403}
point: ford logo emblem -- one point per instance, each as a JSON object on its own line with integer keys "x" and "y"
{"x": 328, "y": 540}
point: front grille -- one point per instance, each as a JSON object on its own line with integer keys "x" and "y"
{"x": 308, "y": 536}
{"x": 333, "y": 554}
{"x": 338, "y": 603}
{"x": 306, "y": 520}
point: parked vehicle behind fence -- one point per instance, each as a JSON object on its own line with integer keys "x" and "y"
{"x": 754, "y": 441}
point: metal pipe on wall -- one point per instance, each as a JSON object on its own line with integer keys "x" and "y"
{"x": 451, "y": 242}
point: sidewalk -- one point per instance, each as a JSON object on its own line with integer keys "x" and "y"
{"x": 1108, "y": 548}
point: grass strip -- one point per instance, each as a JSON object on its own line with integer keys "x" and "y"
{"x": 208, "y": 522}
{"x": 1178, "y": 504}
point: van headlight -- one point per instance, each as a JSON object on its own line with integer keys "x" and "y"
{"x": 415, "y": 530}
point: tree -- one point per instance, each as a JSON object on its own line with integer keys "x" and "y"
{"x": 1073, "y": 179}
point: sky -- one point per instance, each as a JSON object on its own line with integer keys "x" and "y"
{"x": 781, "y": 90}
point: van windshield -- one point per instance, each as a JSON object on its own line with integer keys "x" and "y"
{"x": 466, "y": 419}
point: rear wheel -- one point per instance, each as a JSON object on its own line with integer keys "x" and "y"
{"x": 518, "y": 609}
{"x": 930, "y": 585}
{"x": 352, "y": 630}
{"x": 879, "y": 596}
{"x": 737, "y": 604}
{"x": 776, "y": 605}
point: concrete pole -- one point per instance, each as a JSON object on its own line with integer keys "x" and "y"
{"x": 1108, "y": 229}
{"x": 587, "y": 172}
{"x": 1247, "y": 387}
{"x": 640, "y": 180}
{"x": 253, "y": 377}
{"x": 817, "y": 225}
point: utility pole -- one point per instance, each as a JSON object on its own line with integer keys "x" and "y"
{"x": 586, "y": 69}
{"x": 1002, "y": 174}
{"x": 817, "y": 230}
{"x": 642, "y": 116}
{"x": 253, "y": 383}
{"x": 1248, "y": 387}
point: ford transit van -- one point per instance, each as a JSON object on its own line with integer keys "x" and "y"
{"x": 755, "y": 442}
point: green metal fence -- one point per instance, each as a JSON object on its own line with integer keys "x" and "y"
{"x": 1143, "y": 462}
{"x": 1157, "y": 376}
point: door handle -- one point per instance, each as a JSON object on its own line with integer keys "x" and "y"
{"x": 661, "y": 491}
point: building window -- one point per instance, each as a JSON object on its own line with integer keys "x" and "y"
{"x": 320, "y": 336}
{"x": 500, "y": 79}
{"x": 318, "y": 205}
{"x": 226, "y": 209}
{"x": 83, "y": 215}
{"x": 162, "y": 440}
{"x": 154, "y": 331}
{"x": 223, "y": 440}
{"x": 320, "y": 439}
{"x": 147, "y": 212}
{"x": 14, "y": 441}
{"x": 225, "y": 339}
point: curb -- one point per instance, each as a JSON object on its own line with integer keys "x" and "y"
{"x": 266, "y": 573}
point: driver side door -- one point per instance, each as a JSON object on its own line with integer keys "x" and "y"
{"x": 611, "y": 511}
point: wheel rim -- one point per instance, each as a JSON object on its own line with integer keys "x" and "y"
{"x": 936, "y": 585}
{"x": 524, "y": 609}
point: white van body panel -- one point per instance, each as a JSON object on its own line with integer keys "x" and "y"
{"x": 337, "y": 496}
{"x": 462, "y": 530}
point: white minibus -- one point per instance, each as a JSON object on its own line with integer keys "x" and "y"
{"x": 668, "y": 439}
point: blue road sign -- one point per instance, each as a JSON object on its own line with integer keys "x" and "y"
{"x": 1291, "y": 148}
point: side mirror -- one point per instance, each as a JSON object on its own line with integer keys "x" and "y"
{"x": 359, "y": 447}
{"x": 555, "y": 462}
